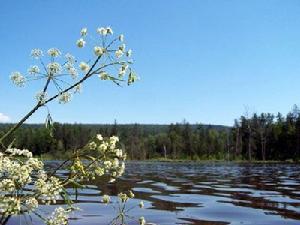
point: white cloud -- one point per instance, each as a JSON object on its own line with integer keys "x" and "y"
{"x": 4, "y": 118}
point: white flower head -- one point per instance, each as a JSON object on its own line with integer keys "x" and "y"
{"x": 105, "y": 199}
{"x": 109, "y": 30}
{"x": 54, "y": 52}
{"x": 70, "y": 58}
{"x": 58, "y": 217}
{"x": 64, "y": 98}
{"x": 54, "y": 68}
{"x": 102, "y": 31}
{"x": 36, "y": 53}
{"x": 33, "y": 70}
{"x": 99, "y": 137}
{"x": 123, "y": 197}
{"x": 122, "y": 47}
{"x": 83, "y": 32}
{"x": 72, "y": 71}
{"x": 131, "y": 194}
{"x": 17, "y": 78}
{"x": 119, "y": 53}
{"x": 80, "y": 43}
{"x": 103, "y": 75}
{"x": 92, "y": 145}
{"x": 98, "y": 51}
{"x": 41, "y": 97}
{"x": 7, "y": 185}
{"x": 31, "y": 203}
{"x": 84, "y": 66}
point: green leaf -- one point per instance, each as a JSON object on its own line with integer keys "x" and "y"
{"x": 49, "y": 124}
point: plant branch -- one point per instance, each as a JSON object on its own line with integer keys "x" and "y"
{"x": 36, "y": 107}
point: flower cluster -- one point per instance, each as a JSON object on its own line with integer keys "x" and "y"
{"x": 18, "y": 79}
{"x": 109, "y": 52}
{"x": 112, "y": 50}
{"x": 48, "y": 188}
{"x": 24, "y": 183}
{"x": 18, "y": 169}
{"x": 58, "y": 217}
{"x": 104, "y": 158}
{"x": 9, "y": 205}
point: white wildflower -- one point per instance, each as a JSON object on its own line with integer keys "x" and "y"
{"x": 64, "y": 98}
{"x": 122, "y": 47}
{"x": 131, "y": 194}
{"x": 54, "y": 52}
{"x": 98, "y": 51}
{"x": 83, "y": 32}
{"x": 10, "y": 205}
{"x": 19, "y": 152}
{"x": 119, "y": 153}
{"x": 36, "y": 53}
{"x": 18, "y": 79}
{"x": 54, "y": 68}
{"x": 109, "y": 30}
{"x": 105, "y": 199}
{"x": 119, "y": 53}
{"x": 103, "y": 75}
{"x": 99, "y": 137}
{"x": 114, "y": 139}
{"x": 99, "y": 171}
{"x": 35, "y": 164}
{"x": 70, "y": 58}
{"x": 92, "y": 145}
{"x": 48, "y": 189}
{"x": 58, "y": 217}
{"x": 80, "y": 43}
{"x": 84, "y": 66}
{"x": 31, "y": 203}
{"x": 73, "y": 72}
{"x": 34, "y": 70}
{"x": 107, "y": 164}
{"x": 41, "y": 97}
{"x": 123, "y": 197}
{"x": 7, "y": 185}
{"x": 102, "y": 31}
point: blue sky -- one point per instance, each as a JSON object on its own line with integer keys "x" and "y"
{"x": 203, "y": 61}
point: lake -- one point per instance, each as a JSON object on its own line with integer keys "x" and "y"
{"x": 197, "y": 193}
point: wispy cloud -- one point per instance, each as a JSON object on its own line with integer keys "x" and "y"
{"x": 4, "y": 118}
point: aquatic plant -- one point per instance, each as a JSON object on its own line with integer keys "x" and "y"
{"x": 25, "y": 184}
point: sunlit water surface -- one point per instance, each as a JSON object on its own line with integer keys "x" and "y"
{"x": 195, "y": 193}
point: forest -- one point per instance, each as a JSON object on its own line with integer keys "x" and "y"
{"x": 259, "y": 137}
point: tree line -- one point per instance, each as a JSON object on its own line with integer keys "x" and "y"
{"x": 257, "y": 137}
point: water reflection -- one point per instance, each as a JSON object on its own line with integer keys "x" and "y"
{"x": 199, "y": 193}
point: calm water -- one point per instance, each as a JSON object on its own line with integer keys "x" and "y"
{"x": 198, "y": 193}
